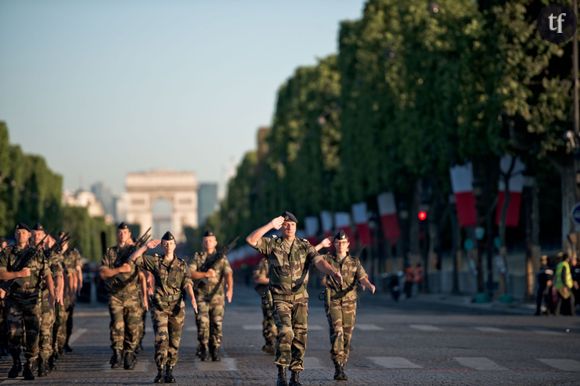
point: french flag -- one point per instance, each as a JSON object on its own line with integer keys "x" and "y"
{"x": 515, "y": 186}
{"x": 361, "y": 221}
{"x": 389, "y": 219}
{"x": 342, "y": 223}
{"x": 462, "y": 184}
{"x": 326, "y": 220}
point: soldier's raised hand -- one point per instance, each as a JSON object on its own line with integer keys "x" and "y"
{"x": 277, "y": 222}
{"x": 326, "y": 243}
{"x": 210, "y": 273}
{"x": 153, "y": 243}
{"x": 125, "y": 268}
{"x": 24, "y": 272}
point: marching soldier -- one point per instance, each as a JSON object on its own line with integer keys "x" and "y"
{"x": 340, "y": 301}
{"x": 172, "y": 279}
{"x": 269, "y": 330}
{"x": 25, "y": 266}
{"x": 290, "y": 259}
{"x": 210, "y": 270}
{"x": 125, "y": 305}
{"x": 47, "y": 317}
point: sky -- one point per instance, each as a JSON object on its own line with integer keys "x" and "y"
{"x": 106, "y": 87}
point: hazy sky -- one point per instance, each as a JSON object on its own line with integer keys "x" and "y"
{"x": 102, "y": 88}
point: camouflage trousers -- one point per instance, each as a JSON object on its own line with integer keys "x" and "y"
{"x": 269, "y": 330}
{"x": 168, "y": 320}
{"x": 61, "y": 322}
{"x": 24, "y": 313}
{"x": 209, "y": 320}
{"x": 292, "y": 323}
{"x": 47, "y": 317}
{"x": 341, "y": 317}
{"x": 126, "y": 323}
{"x": 3, "y": 325}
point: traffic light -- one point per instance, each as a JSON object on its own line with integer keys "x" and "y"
{"x": 422, "y": 215}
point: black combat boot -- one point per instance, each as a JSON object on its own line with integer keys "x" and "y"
{"x": 215, "y": 354}
{"x": 117, "y": 359}
{"x": 28, "y": 373}
{"x": 159, "y": 377}
{"x": 130, "y": 360}
{"x": 16, "y": 366}
{"x": 169, "y": 378}
{"x": 42, "y": 368}
{"x": 67, "y": 348}
{"x": 203, "y": 353}
{"x": 343, "y": 376}
{"x": 52, "y": 363}
{"x": 281, "y": 376}
{"x": 268, "y": 348}
{"x": 295, "y": 379}
{"x": 339, "y": 374}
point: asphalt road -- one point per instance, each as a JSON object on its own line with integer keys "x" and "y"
{"x": 413, "y": 342}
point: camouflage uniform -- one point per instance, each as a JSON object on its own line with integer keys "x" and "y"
{"x": 210, "y": 297}
{"x": 23, "y": 303}
{"x": 289, "y": 266}
{"x": 125, "y": 305}
{"x": 71, "y": 260}
{"x": 269, "y": 330}
{"x": 47, "y": 316}
{"x": 168, "y": 305}
{"x": 340, "y": 304}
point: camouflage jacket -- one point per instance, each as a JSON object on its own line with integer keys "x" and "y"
{"x": 214, "y": 286}
{"x": 124, "y": 284}
{"x": 10, "y": 261}
{"x": 170, "y": 279}
{"x": 289, "y": 264}
{"x": 352, "y": 273}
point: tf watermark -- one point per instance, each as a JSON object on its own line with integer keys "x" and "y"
{"x": 557, "y": 23}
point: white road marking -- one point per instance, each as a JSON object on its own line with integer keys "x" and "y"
{"x": 368, "y": 327}
{"x": 226, "y": 364}
{"x": 547, "y": 332}
{"x": 76, "y": 334}
{"x": 479, "y": 363}
{"x": 489, "y": 329}
{"x": 394, "y": 363}
{"x": 424, "y": 327}
{"x": 562, "y": 364}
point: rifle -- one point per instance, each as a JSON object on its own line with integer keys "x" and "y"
{"x": 210, "y": 263}
{"x": 25, "y": 262}
{"x": 141, "y": 240}
{"x": 57, "y": 247}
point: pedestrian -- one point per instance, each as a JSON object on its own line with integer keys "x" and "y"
{"x": 543, "y": 282}
{"x": 340, "y": 301}
{"x": 418, "y": 277}
{"x": 409, "y": 281}
{"x": 25, "y": 266}
{"x": 575, "y": 266}
{"x": 172, "y": 279}
{"x": 125, "y": 304}
{"x": 564, "y": 284}
{"x": 213, "y": 282}
{"x": 290, "y": 259}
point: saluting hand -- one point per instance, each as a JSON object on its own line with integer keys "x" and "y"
{"x": 326, "y": 243}
{"x": 277, "y": 222}
{"x": 153, "y": 244}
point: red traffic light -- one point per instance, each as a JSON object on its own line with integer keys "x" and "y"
{"x": 422, "y": 215}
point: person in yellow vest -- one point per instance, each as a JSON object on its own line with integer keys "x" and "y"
{"x": 563, "y": 284}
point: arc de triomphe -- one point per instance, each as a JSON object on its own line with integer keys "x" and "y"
{"x": 143, "y": 189}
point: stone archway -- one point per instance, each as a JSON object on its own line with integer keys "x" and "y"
{"x": 144, "y": 188}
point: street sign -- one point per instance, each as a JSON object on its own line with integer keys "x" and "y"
{"x": 576, "y": 213}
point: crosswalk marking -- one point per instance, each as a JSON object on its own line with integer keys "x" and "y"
{"x": 562, "y": 364}
{"x": 424, "y": 327}
{"x": 226, "y": 364}
{"x": 76, "y": 334}
{"x": 394, "y": 363}
{"x": 312, "y": 363}
{"x": 479, "y": 363}
{"x": 547, "y": 332}
{"x": 489, "y": 329}
{"x": 368, "y": 327}
{"x": 258, "y": 327}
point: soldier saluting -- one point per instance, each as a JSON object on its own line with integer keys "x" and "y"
{"x": 340, "y": 301}
{"x": 25, "y": 265}
{"x": 290, "y": 259}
